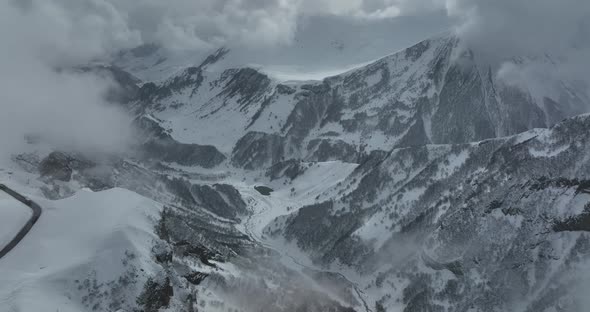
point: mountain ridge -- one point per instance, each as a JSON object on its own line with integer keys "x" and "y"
{"x": 429, "y": 93}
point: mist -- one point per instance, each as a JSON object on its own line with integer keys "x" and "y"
{"x": 40, "y": 96}
{"x": 504, "y": 30}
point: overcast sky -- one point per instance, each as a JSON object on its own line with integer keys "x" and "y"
{"x": 368, "y": 28}
{"x": 91, "y": 27}
{"x": 40, "y": 35}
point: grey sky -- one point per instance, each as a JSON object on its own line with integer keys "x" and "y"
{"x": 382, "y": 26}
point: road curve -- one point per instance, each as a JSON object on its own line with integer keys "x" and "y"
{"x": 27, "y": 227}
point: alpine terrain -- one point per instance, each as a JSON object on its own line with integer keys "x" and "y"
{"x": 422, "y": 181}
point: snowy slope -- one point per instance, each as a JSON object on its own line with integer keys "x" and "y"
{"x": 131, "y": 254}
{"x": 83, "y": 246}
{"x": 436, "y": 91}
{"x": 511, "y": 211}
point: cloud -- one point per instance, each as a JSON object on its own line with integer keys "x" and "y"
{"x": 68, "y": 31}
{"x": 184, "y": 24}
{"x": 210, "y": 23}
{"x": 371, "y": 9}
{"x": 207, "y": 24}
{"x": 517, "y": 26}
{"x": 68, "y": 109}
{"x": 522, "y": 27}
{"x": 500, "y": 30}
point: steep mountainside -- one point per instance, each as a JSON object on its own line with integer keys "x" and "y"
{"x": 419, "y": 182}
{"x": 436, "y": 92}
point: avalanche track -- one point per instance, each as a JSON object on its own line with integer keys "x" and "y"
{"x": 27, "y": 226}
{"x": 261, "y": 207}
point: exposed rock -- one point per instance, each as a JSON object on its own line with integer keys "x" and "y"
{"x": 160, "y": 145}
{"x": 167, "y": 150}
{"x": 264, "y": 190}
{"x": 258, "y": 150}
{"x": 290, "y": 169}
{"x": 156, "y": 295}
{"x": 221, "y": 199}
{"x": 329, "y": 150}
{"x": 60, "y": 166}
{"x": 196, "y": 278}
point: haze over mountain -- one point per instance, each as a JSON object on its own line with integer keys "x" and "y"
{"x": 271, "y": 155}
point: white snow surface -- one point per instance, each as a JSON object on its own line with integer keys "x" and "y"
{"x": 548, "y": 153}
{"x": 86, "y": 236}
{"x": 318, "y": 180}
{"x": 454, "y": 162}
{"x": 13, "y": 215}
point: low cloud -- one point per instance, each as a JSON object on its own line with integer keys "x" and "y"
{"x": 523, "y": 27}
{"x": 499, "y": 30}
{"x": 207, "y": 24}
{"x": 61, "y": 106}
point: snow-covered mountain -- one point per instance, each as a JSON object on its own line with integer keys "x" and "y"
{"x": 422, "y": 181}
{"x": 436, "y": 92}
{"x": 494, "y": 225}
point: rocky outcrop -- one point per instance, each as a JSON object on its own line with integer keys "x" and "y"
{"x": 183, "y": 154}
{"x": 60, "y": 166}
{"x": 221, "y": 199}
{"x": 247, "y": 85}
{"x": 290, "y": 169}
{"x": 161, "y": 146}
{"x": 321, "y": 150}
{"x": 156, "y": 295}
{"x": 56, "y": 166}
{"x": 258, "y": 150}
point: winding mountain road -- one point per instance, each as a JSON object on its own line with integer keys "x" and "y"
{"x": 27, "y": 226}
